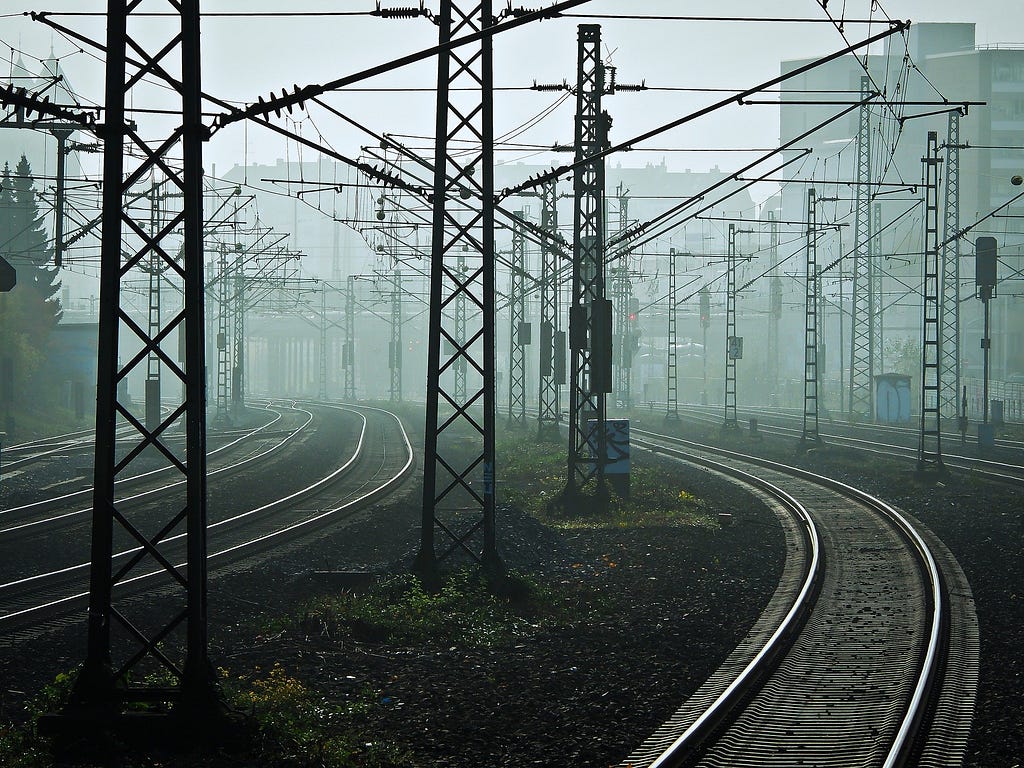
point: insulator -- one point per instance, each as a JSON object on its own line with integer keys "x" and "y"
{"x": 399, "y": 13}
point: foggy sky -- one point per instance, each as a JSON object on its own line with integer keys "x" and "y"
{"x": 248, "y": 58}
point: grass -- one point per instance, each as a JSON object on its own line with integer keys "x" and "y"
{"x": 468, "y": 610}
{"x": 291, "y": 725}
{"x": 296, "y": 725}
{"x": 534, "y": 480}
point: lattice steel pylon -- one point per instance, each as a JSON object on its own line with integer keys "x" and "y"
{"x": 929, "y": 450}
{"x": 774, "y": 306}
{"x": 811, "y": 286}
{"x": 458, "y": 461}
{"x": 224, "y": 309}
{"x": 517, "y": 330}
{"x": 552, "y": 338}
{"x": 862, "y": 337}
{"x": 878, "y": 289}
{"x": 731, "y": 339}
{"x": 949, "y": 302}
{"x": 238, "y": 371}
{"x": 461, "y": 368}
{"x": 590, "y": 314}
{"x": 124, "y": 644}
{"x": 348, "y": 349}
{"x": 672, "y": 371}
{"x": 622, "y": 293}
{"x": 322, "y": 351}
{"x": 154, "y": 268}
{"x": 396, "y": 346}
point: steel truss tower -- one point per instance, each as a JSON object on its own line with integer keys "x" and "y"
{"x": 732, "y": 342}
{"x": 811, "y": 287}
{"x": 348, "y": 351}
{"x": 590, "y": 315}
{"x": 774, "y": 307}
{"x": 672, "y": 380}
{"x": 622, "y": 293}
{"x": 238, "y": 372}
{"x": 396, "y": 348}
{"x": 322, "y": 356}
{"x": 552, "y": 338}
{"x": 519, "y": 330}
{"x": 122, "y": 646}
{"x": 878, "y": 290}
{"x": 949, "y": 303}
{"x": 458, "y": 461}
{"x": 929, "y": 451}
{"x": 224, "y": 308}
{"x": 862, "y": 336}
{"x": 154, "y": 268}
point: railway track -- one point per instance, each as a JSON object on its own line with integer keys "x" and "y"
{"x": 867, "y": 654}
{"x": 379, "y": 457}
{"x": 896, "y": 443}
{"x": 44, "y": 515}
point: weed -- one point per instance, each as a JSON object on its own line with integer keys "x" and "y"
{"x": 467, "y": 610}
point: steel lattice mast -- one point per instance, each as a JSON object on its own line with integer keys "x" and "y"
{"x": 238, "y": 372}
{"x": 154, "y": 268}
{"x": 348, "y": 350}
{"x": 322, "y": 356}
{"x": 120, "y": 643}
{"x": 396, "y": 346}
{"x": 458, "y": 485}
{"x": 878, "y": 290}
{"x": 731, "y": 340}
{"x": 672, "y": 374}
{"x": 774, "y": 307}
{"x": 589, "y": 311}
{"x": 929, "y": 451}
{"x": 552, "y": 338}
{"x": 517, "y": 337}
{"x": 223, "y": 332}
{"x": 949, "y": 306}
{"x": 811, "y": 287}
{"x": 622, "y": 292}
{"x": 862, "y": 337}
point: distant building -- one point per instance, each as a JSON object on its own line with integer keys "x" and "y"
{"x": 950, "y": 66}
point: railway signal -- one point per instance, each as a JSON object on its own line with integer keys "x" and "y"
{"x": 8, "y": 276}
{"x": 986, "y": 256}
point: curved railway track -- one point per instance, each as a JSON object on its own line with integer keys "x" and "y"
{"x": 379, "y": 457}
{"x": 48, "y": 514}
{"x": 867, "y": 654}
{"x": 892, "y": 442}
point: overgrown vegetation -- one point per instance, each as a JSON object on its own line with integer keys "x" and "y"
{"x": 467, "y": 610}
{"x": 535, "y": 479}
{"x": 298, "y": 726}
{"x": 292, "y": 725}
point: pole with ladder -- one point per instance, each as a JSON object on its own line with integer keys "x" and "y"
{"x": 929, "y": 451}
{"x": 811, "y": 285}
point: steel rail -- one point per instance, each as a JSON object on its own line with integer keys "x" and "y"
{"x": 898, "y": 754}
{"x": 1000, "y": 471}
{"x": 44, "y": 504}
{"x": 724, "y": 704}
{"x": 246, "y": 547}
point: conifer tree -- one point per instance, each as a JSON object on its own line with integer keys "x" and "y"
{"x": 28, "y": 245}
{"x": 30, "y": 312}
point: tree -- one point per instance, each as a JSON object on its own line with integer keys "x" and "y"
{"x": 30, "y": 312}
{"x": 27, "y": 244}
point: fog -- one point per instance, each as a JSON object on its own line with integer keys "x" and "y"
{"x": 324, "y": 219}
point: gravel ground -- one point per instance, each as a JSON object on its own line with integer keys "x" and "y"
{"x": 685, "y": 596}
{"x": 982, "y": 523}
